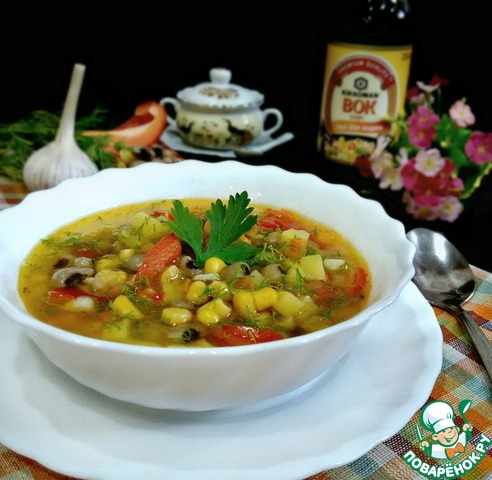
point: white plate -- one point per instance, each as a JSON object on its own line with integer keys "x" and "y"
{"x": 385, "y": 378}
{"x": 175, "y": 141}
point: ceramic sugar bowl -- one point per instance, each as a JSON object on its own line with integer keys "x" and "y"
{"x": 219, "y": 114}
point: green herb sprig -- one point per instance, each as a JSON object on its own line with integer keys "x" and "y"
{"x": 227, "y": 224}
{"x": 20, "y": 139}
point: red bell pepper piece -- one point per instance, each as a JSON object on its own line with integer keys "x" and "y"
{"x": 160, "y": 256}
{"x": 143, "y": 129}
{"x": 234, "y": 335}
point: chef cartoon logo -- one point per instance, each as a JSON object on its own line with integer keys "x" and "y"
{"x": 442, "y": 440}
{"x": 448, "y": 441}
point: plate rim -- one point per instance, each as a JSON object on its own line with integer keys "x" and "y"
{"x": 429, "y": 327}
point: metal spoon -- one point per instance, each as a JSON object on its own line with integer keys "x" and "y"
{"x": 446, "y": 280}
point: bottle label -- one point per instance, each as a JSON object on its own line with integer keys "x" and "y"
{"x": 363, "y": 85}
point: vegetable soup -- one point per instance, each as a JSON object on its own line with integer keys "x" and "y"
{"x": 200, "y": 273}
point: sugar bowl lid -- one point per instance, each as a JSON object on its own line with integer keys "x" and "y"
{"x": 220, "y": 93}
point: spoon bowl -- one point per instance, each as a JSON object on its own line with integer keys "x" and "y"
{"x": 446, "y": 280}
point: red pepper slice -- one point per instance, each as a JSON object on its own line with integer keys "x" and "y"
{"x": 235, "y": 335}
{"x": 143, "y": 129}
{"x": 160, "y": 256}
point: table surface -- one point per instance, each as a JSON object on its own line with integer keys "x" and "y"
{"x": 463, "y": 377}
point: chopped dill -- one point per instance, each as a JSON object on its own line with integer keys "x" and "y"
{"x": 18, "y": 140}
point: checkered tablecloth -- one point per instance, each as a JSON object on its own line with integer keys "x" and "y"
{"x": 462, "y": 378}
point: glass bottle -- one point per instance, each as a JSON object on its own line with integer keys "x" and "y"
{"x": 367, "y": 68}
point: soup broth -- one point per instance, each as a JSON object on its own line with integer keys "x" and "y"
{"x": 197, "y": 273}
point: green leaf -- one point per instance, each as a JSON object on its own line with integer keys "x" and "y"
{"x": 227, "y": 224}
{"x": 459, "y": 158}
{"x": 18, "y": 140}
{"x": 186, "y": 226}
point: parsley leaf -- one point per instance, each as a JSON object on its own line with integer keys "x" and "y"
{"x": 227, "y": 224}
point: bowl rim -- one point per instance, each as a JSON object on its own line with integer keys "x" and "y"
{"x": 34, "y": 199}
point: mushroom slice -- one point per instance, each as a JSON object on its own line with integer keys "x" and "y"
{"x": 236, "y": 270}
{"x": 188, "y": 266}
{"x": 70, "y": 276}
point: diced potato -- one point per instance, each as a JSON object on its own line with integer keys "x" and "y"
{"x": 310, "y": 308}
{"x": 294, "y": 275}
{"x": 117, "y": 331}
{"x": 312, "y": 267}
{"x": 149, "y": 228}
{"x": 288, "y": 304}
{"x": 292, "y": 233}
{"x": 80, "y": 304}
{"x": 257, "y": 277}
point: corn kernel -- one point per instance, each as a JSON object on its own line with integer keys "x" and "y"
{"x": 244, "y": 238}
{"x": 108, "y": 263}
{"x": 265, "y": 298}
{"x": 244, "y": 303}
{"x": 126, "y": 156}
{"x": 171, "y": 273}
{"x": 126, "y": 253}
{"x": 196, "y": 293}
{"x": 176, "y": 315}
{"x": 123, "y": 306}
{"x": 222, "y": 308}
{"x": 207, "y": 316}
{"x": 220, "y": 289}
{"x": 214, "y": 265}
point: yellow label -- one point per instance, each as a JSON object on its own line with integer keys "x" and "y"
{"x": 363, "y": 86}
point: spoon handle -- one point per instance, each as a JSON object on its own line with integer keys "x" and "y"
{"x": 481, "y": 342}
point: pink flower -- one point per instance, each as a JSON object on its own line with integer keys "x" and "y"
{"x": 478, "y": 148}
{"x": 429, "y": 162}
{"x": 428, "y": 88}
{"x": 416, "y": 97}
{"x": 421, "y": 136}
{"x": 461, "y": 113}
{"x": 423, "y": 117}
{"x": 451, "y": 209}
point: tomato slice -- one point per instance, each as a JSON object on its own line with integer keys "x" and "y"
{"x": 160, "y": 256}
{"x": 234, "y": 335}
{"x": 278, "y": 219}
{"x": 360, "y": 280}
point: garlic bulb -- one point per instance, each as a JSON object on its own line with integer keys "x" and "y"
{"x": 62, "y": 158}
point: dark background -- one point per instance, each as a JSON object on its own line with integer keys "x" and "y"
{"x": 148, "y": 52}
